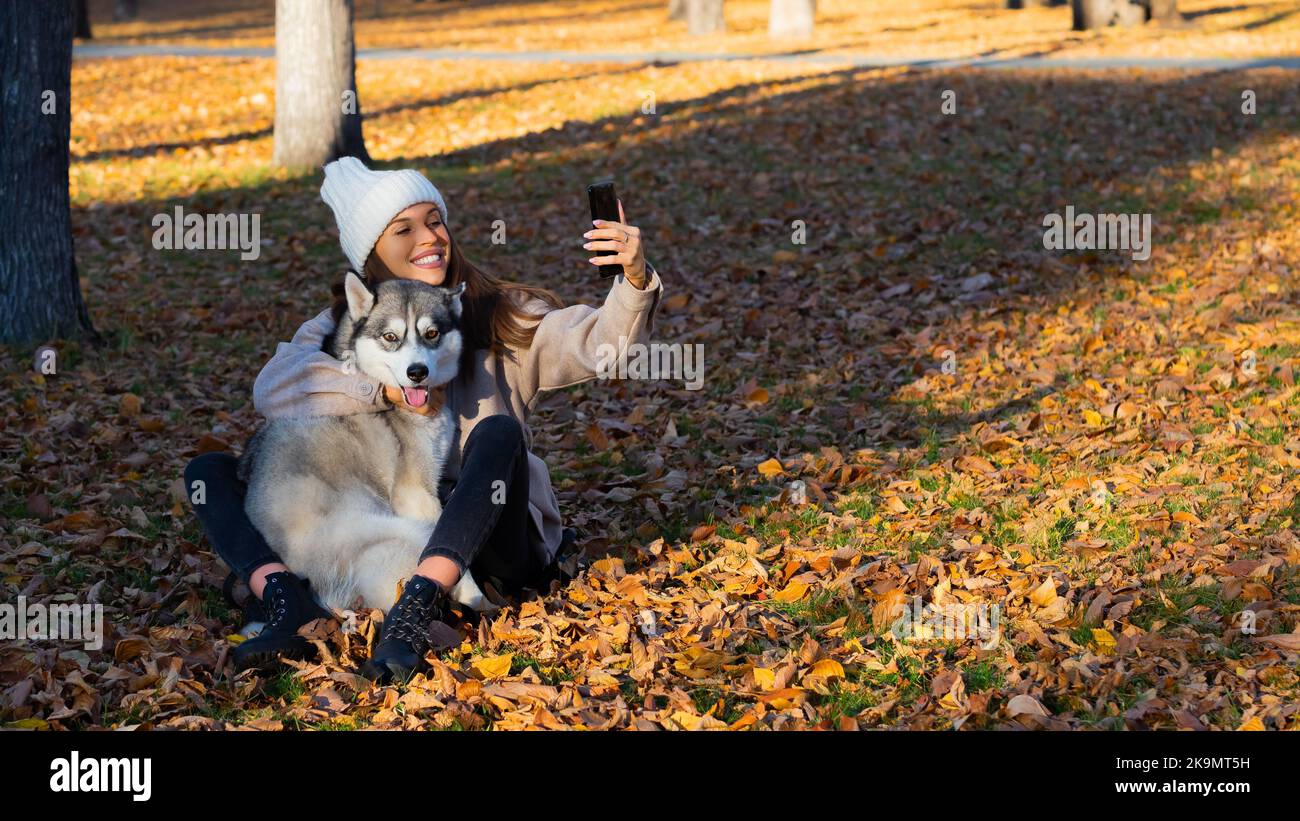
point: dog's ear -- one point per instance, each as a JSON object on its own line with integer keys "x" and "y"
{"x": 360, "y": 300}
{"x": 453, "y": 298}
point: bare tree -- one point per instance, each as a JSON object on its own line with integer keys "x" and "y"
{"x": 791, "y": 19}
{"x": 1164, "y": 11}
{"x": 40, "y": 291}
{"x": 704, "y": 17}
{"x": 1094, "y": 14}
{"x": 317, "y": 111}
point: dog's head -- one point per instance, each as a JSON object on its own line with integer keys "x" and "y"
{"x": 404, "y": 333}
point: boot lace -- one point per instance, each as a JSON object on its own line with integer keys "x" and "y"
{"x": 277, "y": 608}
{"x": 410, "y": 618}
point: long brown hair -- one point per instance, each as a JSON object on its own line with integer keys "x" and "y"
{"x": 492, "y": 317}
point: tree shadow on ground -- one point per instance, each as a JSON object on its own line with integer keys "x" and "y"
{"x": 892, "y": 193}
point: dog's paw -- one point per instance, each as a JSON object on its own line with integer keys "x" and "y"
{"x": 251, "y": 629}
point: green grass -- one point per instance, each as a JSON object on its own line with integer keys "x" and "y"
{"x": 705, "y": 698}
{"x": 1119, "y": 533}
{"x": 844, "y": 701}
{"x": 983, "y": 675}
{"x": 1051, "y": 540}
{"x": 285, "y": 686}
{"x": 863, "y": 507}
{"x": 522, "y": 661}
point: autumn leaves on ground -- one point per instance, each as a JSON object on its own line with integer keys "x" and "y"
{"x": 1104, "y": 450}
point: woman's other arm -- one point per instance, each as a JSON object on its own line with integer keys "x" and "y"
{"x": 303, "y": 380}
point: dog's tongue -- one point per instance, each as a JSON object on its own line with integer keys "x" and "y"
{"x": 416, "y": 397}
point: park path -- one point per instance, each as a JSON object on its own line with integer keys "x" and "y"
{"x": 93, "y": 50}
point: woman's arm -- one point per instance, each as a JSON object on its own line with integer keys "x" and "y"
{"x": 573, "y": 344}
{"x": 303, "y": 380}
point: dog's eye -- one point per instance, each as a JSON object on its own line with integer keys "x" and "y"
{"x": 431, "y": 334}
{"x": 390, "y": 337}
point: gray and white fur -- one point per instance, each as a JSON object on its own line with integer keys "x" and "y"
{"x": 349, "y": 502}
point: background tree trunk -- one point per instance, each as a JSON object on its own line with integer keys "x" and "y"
{"x": 704, "y": 17}
{"x": 316, "y": 119}
{"x": 676, "y": 9}
{"x": 124, "y": 10}
{"x": 1163, "y": 11}
{"x": 1095, "y": 14}
{"x": 40, "y": 292}
{"x": 791, "y": 19}
{"x": 82, "y": 27}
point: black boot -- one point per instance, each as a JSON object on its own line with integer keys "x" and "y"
{"x": 289, "y": 605}
{"x": 568, "y": 564}
{"x": 404, "y": 635}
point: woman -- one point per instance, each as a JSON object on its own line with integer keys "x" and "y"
{"x": 520, "y": 340}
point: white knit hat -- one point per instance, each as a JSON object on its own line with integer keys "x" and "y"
{"x": 365, "y": 201}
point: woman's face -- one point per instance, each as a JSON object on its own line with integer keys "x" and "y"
{"x": 416, "y": 245}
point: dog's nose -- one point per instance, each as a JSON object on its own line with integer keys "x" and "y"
{"x": 416, "y": 373}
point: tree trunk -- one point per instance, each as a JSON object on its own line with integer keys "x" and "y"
{"x": 124, "y": 10}
{"x": 82, "y": 27}
{"x": 1164, "y": 11}
{"x": 704, "y": 17}
{"x": 676, "y": 9}
{"x": 40, "y": 292}
{"x": 317, "y": 111}
{"x": 790, "y": 19}
{"x": 1096, "y": 14}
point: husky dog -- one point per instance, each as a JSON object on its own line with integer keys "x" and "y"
{"x": 349, "y": 502}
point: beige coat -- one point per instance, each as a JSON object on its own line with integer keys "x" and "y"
{"x": 303, "y": 380}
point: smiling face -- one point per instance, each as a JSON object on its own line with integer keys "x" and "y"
{"x": 416, "y": 245}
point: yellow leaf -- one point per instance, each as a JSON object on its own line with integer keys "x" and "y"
{"x": 764, "y": 678}
{"x": 896, "y": 504}
{"x": 772, "y": 467}
{"x": 793, "y": 591}
{"x": 759, "y": 395}
{"x": 1045, "y": 594}
{"x": 1104, "y": 639}
{"x": 29, "y": 724}
{"x": 493, "y": 666}
{"x": 129, "y": 405}
{"x": 235, "y": 638}
{"x": 828, "y": 668}
{"x": 1254, "y": 725}
{"x": 687, "y": 721}
{"x": 785, "y": 698}
{"x": 888, "y": 608}
{"x": 1092, "y": 417}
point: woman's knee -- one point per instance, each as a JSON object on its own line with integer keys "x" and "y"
{"x": 207, "y": 469}
{"x": 500, "y": 429}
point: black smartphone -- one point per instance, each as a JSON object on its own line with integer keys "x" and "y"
{"x": 604, "y": 206}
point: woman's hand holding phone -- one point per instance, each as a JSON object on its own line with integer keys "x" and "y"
{"x": 622, "y": 239}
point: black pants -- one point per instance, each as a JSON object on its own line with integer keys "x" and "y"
{"x": 484, "y": 526}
